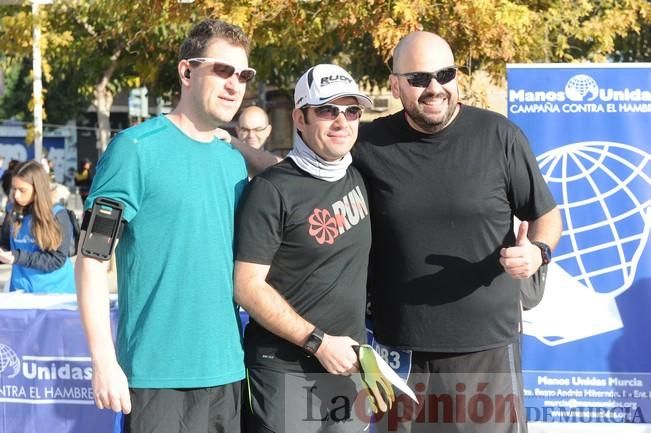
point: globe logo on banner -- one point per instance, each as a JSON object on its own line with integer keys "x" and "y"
{"x": 581, "y": 85}
{"x": 603, "y": 190}
{"x": 9, "y": 362}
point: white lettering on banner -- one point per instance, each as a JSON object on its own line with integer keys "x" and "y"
{"x": 71, "y": 393}
{"x": 32, "y": 370}
{"x": 523, "y": 96}
{"x": 606, "y": 95}
{"x": 636, "y": 95}
{"x": 544, "y": 380}
{"x": 579, "y": 392}
{"x": 582, "y": 108}
{"x": 544, "y": 392}
{"x": 634, "y": 108}
{"x": 577, "y": 89}
{"x": 593, "y": 393}
{"x": 12, "y": 391}
{"x": 535, "y": 108}
{"x": 585, "y": 96}
{"x": 572, "y": 108}
{"x": 32, "y": 379}
{"x": 616, "y": 381}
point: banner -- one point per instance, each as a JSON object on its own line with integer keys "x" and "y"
{"x": 45, "y": 370}
{"x": 586, "y": 350}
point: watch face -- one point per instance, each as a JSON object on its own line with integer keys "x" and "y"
{"x": 313, "y": 342}
{"x": 311, "y": 347}
{"x": 545, "y": 257}
{"x": 545, "y": 252}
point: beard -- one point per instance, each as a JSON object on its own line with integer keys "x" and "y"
{"x": 427, "y": 122}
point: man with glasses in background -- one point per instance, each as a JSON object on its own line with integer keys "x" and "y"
{"x": 303, "y": 237}
{"x": 179, "y": 361}
{"x": 445, "y": 181}
{"x": 253, "y": 127}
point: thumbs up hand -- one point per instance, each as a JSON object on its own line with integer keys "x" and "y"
{"x": 522, "y": 238}
{"x": 522, "y": 260}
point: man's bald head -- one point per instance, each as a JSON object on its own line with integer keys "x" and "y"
{"x": 418, "y": 44}
{"x": 253, "y": 126}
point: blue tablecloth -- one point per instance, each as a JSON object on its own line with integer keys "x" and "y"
{"x": 45, "y": 368}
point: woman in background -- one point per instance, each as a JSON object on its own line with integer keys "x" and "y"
{"x": 36, "y": 235}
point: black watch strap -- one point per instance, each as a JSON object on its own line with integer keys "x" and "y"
{"x": 314, "y": 341}
{"x": 545, "y": 251}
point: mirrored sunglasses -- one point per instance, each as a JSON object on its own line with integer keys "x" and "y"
{"x": 423, "y": 79}
{"x": 226, "y": 70}
{"x": 332, "y": 111}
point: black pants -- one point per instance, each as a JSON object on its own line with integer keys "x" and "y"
{"x": 479, "y": 392}
{"x": 196, "y": 410}
{"x": 283, "y": 402}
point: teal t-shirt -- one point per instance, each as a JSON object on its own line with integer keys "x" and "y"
{"x": 178, "y": 324}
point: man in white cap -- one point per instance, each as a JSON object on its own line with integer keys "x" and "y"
{"x": 303, "y": 237}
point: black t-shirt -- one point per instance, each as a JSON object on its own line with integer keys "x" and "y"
{"x": 442, "y": 207}
{"x": 316, "y": 236}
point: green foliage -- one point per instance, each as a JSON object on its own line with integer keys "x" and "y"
{"x": 18, "y": 91}
{"x": 636, "y": 44}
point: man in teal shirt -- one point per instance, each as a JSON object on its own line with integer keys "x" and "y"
{"x": 179, "y": 360}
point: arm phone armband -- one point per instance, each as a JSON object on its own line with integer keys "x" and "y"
{"x": 103, "y": 224}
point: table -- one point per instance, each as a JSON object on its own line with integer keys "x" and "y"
{"x": 45, "y": 367}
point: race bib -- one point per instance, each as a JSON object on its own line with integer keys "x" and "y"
{"x": 398, "y": 359}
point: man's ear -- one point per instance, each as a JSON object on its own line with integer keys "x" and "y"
{"x": 183, "y": 69}
{"x": 299, "y": 119}
{"x": 395, "y": 86}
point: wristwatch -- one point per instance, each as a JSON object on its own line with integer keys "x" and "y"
{"x": 313, "y": 341}
{"x": 545, "y": 251}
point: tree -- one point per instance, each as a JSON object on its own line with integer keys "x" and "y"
{"x": 100, "y": 47}
{"x": 636, "y": 44}
{"x": 93, "y": 49}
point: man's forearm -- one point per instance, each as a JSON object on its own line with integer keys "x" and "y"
{"x": 272, "y": 311}
{"x": 257, "y": 160}
{"x": 93, "y": 300}
{"x": 547, "y": 228}
{"x": 267, "y": 307}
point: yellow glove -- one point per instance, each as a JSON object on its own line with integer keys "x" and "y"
{"x": 380, "y": 390}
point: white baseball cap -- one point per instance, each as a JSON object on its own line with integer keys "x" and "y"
{"x": 325, "y": 82}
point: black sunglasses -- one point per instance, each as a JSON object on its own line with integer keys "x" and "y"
{"x": 422, "y": 79}
{"x": 226, "y": 70}
{"x": 332, "y": 111}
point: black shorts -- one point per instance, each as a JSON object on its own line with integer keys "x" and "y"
{"x": 282, "y": 402}
{"x": 193, "y": 410}
{"x": 479, "y": 392}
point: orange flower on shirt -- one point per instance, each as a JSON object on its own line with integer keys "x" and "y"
{"x": 323, "y": 227}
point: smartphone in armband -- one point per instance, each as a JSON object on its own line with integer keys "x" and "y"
{"x": 103, "y": 228}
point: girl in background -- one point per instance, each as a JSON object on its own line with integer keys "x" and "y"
{"x": 36, "y": 235}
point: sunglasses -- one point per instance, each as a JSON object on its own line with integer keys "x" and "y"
{"x": 226, "y": 70}
{"x": 423, "y": 79}
{"x": 332, "y": 111}
{"x": 250, "y": 130}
